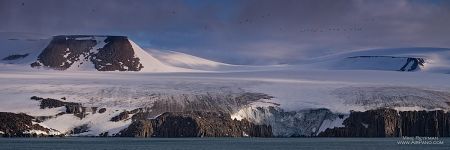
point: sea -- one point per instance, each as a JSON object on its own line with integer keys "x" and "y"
{"x": 91, "y": 143}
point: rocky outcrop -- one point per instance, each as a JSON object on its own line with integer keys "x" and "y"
{"x": 106, "y": 53}
{"x": 21, "y": 125}
{"x": 117, "y": 54}
{"x": 80, "y": 129}
{"x": 390, "y": 123}
{"x": 63, "y": 51}
{"x": 102, "y": 110}
{"x": 71, "y": 108}
{"x": 372, "y": 123}
{"x": 195, "y": 124}
{"x": 53, "y": 103}
{"x": 15, "y": 57}
{"x": 414, "y": 64}
{"x": 122, "y": 116}
{"x": 392, "y": 63}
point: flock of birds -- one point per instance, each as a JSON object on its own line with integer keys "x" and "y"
{"x": 352, "y": 28}
{"x": 335, "y": 28}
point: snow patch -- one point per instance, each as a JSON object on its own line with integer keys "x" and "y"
{"x": 331, "y": 123}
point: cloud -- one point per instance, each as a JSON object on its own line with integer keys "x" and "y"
{"x": 242, "y": 32}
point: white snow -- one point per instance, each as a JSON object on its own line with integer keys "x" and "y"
{"x": 67, "y": 53}
{"x": 151, "y": 64}
{"x": 12, "y": 43}
{"x": 331, "y": 123}
{"x": 185, "y": 60}
{"x": 84, "y": 63}
{"x": 245, "y": 134}
{"x": 38, "y": 132}
{"x": 98, "y": 123}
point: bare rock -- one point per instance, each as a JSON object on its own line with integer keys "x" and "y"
{"x": 19, "y": 125}
{"x": 102, "y": 110}
{"x": 122, "y": 116}
{"x": 195, "y": 124}
{"x": 390, "y": 123}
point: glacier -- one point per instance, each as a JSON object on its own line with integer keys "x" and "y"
{"x": 301, "y": 99}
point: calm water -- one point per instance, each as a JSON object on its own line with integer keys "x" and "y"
{"x": 212, "y": 143}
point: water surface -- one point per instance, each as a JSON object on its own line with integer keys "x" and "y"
{"x": 74, "y": 143}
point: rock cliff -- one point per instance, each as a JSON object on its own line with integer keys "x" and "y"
{"x": 390, "y": 123}
{"x": 195, "y": 124}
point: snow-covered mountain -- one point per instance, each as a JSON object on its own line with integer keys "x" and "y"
{"x": 89, "y": 52}
{"x": 302, "y": 99}
{"x": 119, "y": 53}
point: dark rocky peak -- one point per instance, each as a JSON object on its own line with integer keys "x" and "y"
{"x": 106, "y": 53}
{"x": 117, "y": 54}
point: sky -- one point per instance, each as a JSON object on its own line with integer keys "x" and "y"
{"x": 254, "y": 32}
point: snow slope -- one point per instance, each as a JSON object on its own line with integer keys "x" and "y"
{"x": 183, "y": 60}
{"x": 16, "y": 43}
{"x": 31, "y": 46}
{"x": 151, "y": 64}
{"x": 424, "y": 59}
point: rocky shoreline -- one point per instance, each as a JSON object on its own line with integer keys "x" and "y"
{"x": 195, "y": 124}
{"x": 372, "y": 123}
{"x": 382, "y": 122}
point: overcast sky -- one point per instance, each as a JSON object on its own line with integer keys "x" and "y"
{"x": 241, "y": 31}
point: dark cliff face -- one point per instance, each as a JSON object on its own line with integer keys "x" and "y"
{"x": 390, "y": 123}
{"x": 195, "y": 124}
{"x": 65, "y": 50}
{"x": 422, "y": 123}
